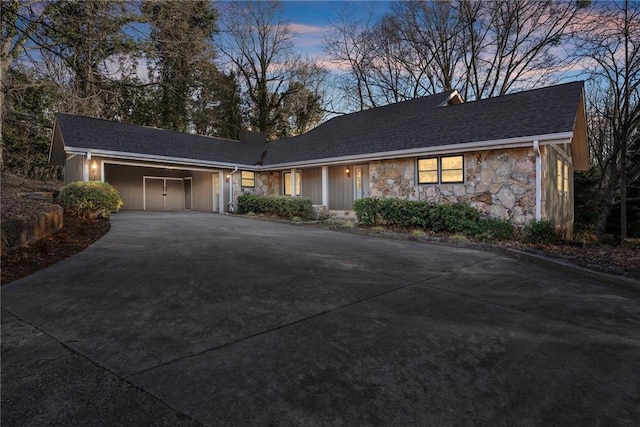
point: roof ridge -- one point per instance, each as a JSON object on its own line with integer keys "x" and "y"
{"x": 526, "y": 91}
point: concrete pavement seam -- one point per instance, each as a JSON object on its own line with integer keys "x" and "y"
{"x": 103, "y": 368}
{"x": 286, "y": 325}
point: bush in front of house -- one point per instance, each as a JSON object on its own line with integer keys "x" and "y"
{"x": 282, "y": 206}
{"x": 453, "y": 218}
{"x": 542, "y": 232}
{"x": 91, "y": 199}
{"x": 496, "y": 229}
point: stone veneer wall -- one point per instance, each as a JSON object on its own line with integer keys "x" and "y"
{"x": 499, "y": 183}
{"x": 267, "y": 184}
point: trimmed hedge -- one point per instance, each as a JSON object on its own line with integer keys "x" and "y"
{"x": 282, "y": 206}
{"x": 91, "y": 199}
{"x": 437, "y": 217}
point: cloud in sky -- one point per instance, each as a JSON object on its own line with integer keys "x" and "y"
{"x": 309, "y": 38}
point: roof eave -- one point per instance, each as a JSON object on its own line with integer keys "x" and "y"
{"x": 154, "y": 158}
{"x": 555, "y": 138}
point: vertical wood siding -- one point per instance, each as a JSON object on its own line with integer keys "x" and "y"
{"x": 202, "y": 191}
{"x": 311, "y": 183}
{"x": 73, "y": 169}
{"x": 340, "y": 188}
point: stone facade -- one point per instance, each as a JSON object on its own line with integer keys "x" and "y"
{"x": 267, "y": 184}
{"x": 499, "y": 183}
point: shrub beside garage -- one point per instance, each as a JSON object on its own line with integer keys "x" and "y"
{"x": 93, "y": 199}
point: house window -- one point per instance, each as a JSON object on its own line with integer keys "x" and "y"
{"x": 428, "y": 171}
{"x": 287, "y": 183}
{"x": 444, "y": 170}
{"x": 452, "y": 169}
{"x": 248, "y": 179}
{"x": 562, "y": 176}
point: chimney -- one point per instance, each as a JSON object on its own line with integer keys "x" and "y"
{"x": 253, "y": 137}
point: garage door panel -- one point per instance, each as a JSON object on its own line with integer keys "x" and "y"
{"x": 153, "y": 194}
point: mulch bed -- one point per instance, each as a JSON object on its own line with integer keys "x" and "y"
{"x": 76, "y": 235}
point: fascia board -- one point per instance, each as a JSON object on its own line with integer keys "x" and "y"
{"x": 117, "y": 161}
{"x": 150, "y": 157}
{"x": 556, "y": 138}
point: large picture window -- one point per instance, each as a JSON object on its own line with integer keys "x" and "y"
{"x": 248, "y": 179}
{"x": 443, "y": 170}
{"x": 287, "y": 183}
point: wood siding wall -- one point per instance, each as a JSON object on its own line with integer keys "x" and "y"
{"x": 311, "y": 183}
{"x": 557, "y": 205}
{"x": 340, "y": 189}
{"x": 73, "y": 169}
{"x": 202, "y": 191}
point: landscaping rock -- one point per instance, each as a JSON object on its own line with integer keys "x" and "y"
{"x": 22, "y": 231}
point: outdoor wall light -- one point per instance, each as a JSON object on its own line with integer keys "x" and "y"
{"x": 347, "y": 171}
{"x": 94, "y": 168}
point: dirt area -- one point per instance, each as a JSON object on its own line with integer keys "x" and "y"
{"x": 78, "y": 234}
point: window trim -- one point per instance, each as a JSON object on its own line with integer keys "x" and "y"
{"x": 439, "y": 171}
{"x": 285, "y": 187}
{"x": 442, "y": 170}
{"x": 252, "y": 179}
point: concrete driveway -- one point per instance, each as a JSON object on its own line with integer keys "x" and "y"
{"x": 194, "y": 318}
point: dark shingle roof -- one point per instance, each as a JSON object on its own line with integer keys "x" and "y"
{"x": 415, "y": 124}
{"x": 98, "y": 134}
{"x": 420, "y": 124}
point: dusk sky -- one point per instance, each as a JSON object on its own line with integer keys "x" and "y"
{"x": 312, "y": 19}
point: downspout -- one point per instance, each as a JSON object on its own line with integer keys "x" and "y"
{"x": 536, "y": 150}
{"x": 231, "y": 206}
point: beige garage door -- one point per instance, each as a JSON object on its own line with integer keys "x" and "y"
{"x": 163, "y": 194}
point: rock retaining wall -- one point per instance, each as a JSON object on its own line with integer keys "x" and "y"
{"x": 22, "y": 231}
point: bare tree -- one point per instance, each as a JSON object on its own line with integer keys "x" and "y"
{"x": 349, "y": 46}
{"x": 433, "y": 30}
{"x": 513, "y": 43}
{"x": 612, "y": 41}
{"x": 257, "y": 43}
